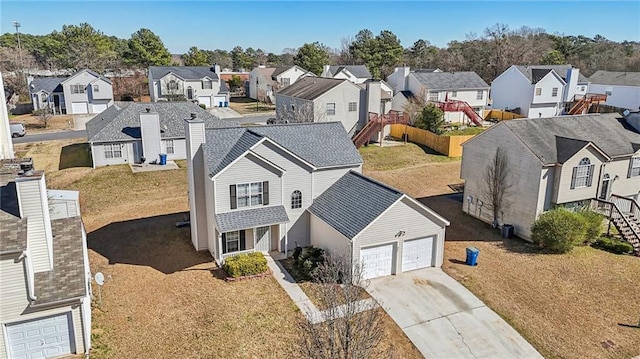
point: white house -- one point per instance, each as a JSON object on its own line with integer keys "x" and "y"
{"x": 272, "y": 188}
{"x": 288, "y": 75}
{"x": 262, "y": 86}
{"x": 622, "y": 88}
{"x": 196, "y": 83}
{"x": 45, "y": 279}
{"x": 140, "y": 132}
{"x": 85, "y": 92}
{"x": 565, "y": 160}
{"x": 354, "y": 73}
{"x": 537, "y": 90}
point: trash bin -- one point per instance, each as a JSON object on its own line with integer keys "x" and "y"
{"x": 163, "y": 159}
{"x": 507, "y": 231}
{"x": 220, "y": 104}
{"x": 472, "y": 256}
{"x": 226, "y": 104}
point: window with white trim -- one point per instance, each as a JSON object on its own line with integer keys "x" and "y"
{"x": 77, "y": 88}
{"x": 433, "y": 96}
{"x": 232, "y": 241}
{"x": 479, "y": 95}
{"x": 96, "y": 88}
{"x": 249, "y": 194}
{"x": 353, "y": 106}
{"x": 554, "y": 92}
{"x": 634, "y": 167}
{"x": 296, "y": 199}
{"x": 169, "y": 146}
{"x": 172, "y": 85}
{"x": 538, "y": 91}
{"x": 206, "y": 84}
{"x": 331, "y": 109}
{"x": 285, "y": 81}
{"x": 454, "y": 93}
{"x": 112, "y": 150}
{"x": 582, "y": 174}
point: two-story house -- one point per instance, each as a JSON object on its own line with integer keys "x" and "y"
{"x": 537, "y": 90}
{"x": 555, "y": 161}
{"x": 273, "y": 188}
{"x": 355, "y": 73}
{"x": 262, "y": 86}
{"x": 622, "y": 88}
{"x": 85, "y": 92}
{"x": 288, "y": 75}
{"x": 45, "y": 302}
{"x": 201, "y": 84}
{"x": 135, "y": 132}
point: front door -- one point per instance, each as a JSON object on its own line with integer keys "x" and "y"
{"x": 263, "y": 239}
{"x": 604, "y": 189}
{"x": 189, "y": 93}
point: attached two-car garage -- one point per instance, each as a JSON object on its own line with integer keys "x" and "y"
{"x": 378, "y": 261}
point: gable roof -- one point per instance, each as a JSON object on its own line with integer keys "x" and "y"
{"x": 556, "y": 139}
{"x": 353, "y": 202}
{"x": 91, "y": 72}
{"x": 123, "y": 123}
{"x": 535, "y": 73}
{"x": 184, "y": 72}
{"x": 322, "y": 144}
{"x": 281, "y": 69}
{"x": 602, "y": 77}
{"x": 310, "y": 88}
{"x": 450, "y": 80}
{"x": 46, "y": 84}
{"x": 359, "y": 71}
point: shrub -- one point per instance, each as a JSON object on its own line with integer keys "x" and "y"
{"x": 613, "y": 245}
{"x": 306, "y": 261}
{"x": 203, "y": 106}
{"x": 558, "y": 230}
{"x": 245, "y": 264}
{"x": 593, "y": 223}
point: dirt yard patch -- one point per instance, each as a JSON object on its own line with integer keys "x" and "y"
{"x": 245, "y": 105}
{"x": 33, "y": 124}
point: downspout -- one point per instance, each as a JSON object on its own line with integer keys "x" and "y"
{"x": 30, "y": 275}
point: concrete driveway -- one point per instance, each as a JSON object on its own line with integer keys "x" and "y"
{"x": 444, "y": 319}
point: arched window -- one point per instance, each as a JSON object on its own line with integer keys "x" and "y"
{"x": 582, "y": 174}
{"x": 296, "y": 199}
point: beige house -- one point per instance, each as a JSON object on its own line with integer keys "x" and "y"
{"x": 566, "y": 161}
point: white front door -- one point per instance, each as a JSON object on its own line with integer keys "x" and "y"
{"x": 263, "y": 239}
{"x": 417, "y": 253}
{"x": 79, "y": 107}
{"x": 205, "y": 100}
{"x": 99, "y": 107}
{"x": 376, "y": 261}
{"x": 41, "y": 338}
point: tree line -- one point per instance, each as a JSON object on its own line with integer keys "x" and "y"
{"x": 81, "y": 46}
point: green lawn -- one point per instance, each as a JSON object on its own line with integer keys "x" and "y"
{"x": 465, "y": 132}
{"x": 378, "y": 158}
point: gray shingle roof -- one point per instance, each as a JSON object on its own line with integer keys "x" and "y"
{"x": 450, "y": 80}
{"x": 615, "y": 78}
{"x": 280, "y": 69}
{"x": 359, "y": 71}
{"x": 353, "y": 202}
{"x": 536, "y": 72}
{"x": 123, "y": 123}
{"x": 67, "y": 279}
{"x": 251, "y": 218}
{"x": 310, "y": 88}
{"x": 13, "y": 233}
{"x": 185, "y": 72}
{"x": 46, "y": 84}
{"x": 555, "y": 139}
{"x": 322, "y": 144}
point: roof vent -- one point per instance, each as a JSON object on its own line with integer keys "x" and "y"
{"x": 148, "y": 109}
{"x": 193, "y": 115}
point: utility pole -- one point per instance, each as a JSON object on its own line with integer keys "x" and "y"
{"x": 17, "y": 26}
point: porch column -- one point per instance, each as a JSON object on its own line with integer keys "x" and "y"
{"x": 219, "y": 250}
{"x": 286, "y": 240}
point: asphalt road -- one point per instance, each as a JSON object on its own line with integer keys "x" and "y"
{"x": 251, "y": 119}
{"x": 50, "y": 136}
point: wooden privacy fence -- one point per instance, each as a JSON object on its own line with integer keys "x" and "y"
{"x": 500, "y": 115}
{"x": 447, "y": 145}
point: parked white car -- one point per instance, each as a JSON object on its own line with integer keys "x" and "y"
{"x": 17, "y": 130}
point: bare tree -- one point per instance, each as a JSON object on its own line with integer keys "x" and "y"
{"x": 498, "y": 184}
{"x": 414, "y": 105}
{"x": 351, "y": 328}
{"x": 44, "y": 115}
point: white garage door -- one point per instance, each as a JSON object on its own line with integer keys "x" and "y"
{"x": 79, "y": 107}
{"x": 377, "y": 261}
{"x": 205, "y": 100}
{"x": 417, "y": 253}
{"x": 99, "y": 107}
{"x": 41, "y": 338}
{"x": 218, "y": 99}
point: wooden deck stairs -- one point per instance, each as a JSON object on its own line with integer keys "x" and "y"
{"x": 582, "y": 103}
{"x": 624, "y": 214}
{"x": 376, "y": 123}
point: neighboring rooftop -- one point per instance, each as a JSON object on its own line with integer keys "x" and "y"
{"x": 13, "y": 231}
{"x": 251, "y": 218}
{"x": 353, "y": 202}
{"x": 122, "y": 123}
{"x": 310, "y": 88}
{"x": 184, "y": 72}
{"x": 46, "y": 84}
{"x": 450, "y": 80}
{"x": 323, "y": 144}
{"x": 555, "y": 139}
{"x": 536, "y": 72}
{"x": 602, "y": 77}
{"x": 359, "y": 71}
{"x": 280, "y": 69}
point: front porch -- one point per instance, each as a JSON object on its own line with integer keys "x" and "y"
{"x": 258, "y": 239}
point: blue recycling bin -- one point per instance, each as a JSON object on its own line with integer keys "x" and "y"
{"x": 472, "y": 256}
{"x": 163, "y": 159}
{"x": 226, "y": 104}
{"x": 220, "y": 103}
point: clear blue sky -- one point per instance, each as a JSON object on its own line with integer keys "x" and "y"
{"x": 273, "y": 26}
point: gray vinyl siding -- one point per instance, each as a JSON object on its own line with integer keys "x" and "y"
{"x": 324, "y": 178}
{"x": 210, "y": 201}
{"x": 326, "y": 237}
{"x": 525, "y": 173}
{"x": 85, "y": 79}
{"x": 564, "y": 191}
{"x": 179, "y": 149}
{"x": 623, "y": 186}
{"x": 159, "y": 88}
{"x": 402, "y": 216}
{"x": 33, "y": 205}
{"x": 302, "y": 110}
{"x": 97, "y": 154}
{"x": 546, "y": 192}
{"x": 341, "y": 95}
{"x": 246, "y": 170}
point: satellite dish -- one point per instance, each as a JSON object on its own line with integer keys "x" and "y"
{"x": 626, "y": 113}
{"x": 99, "y": 278}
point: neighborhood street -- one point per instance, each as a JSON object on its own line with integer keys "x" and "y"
{"x": 50, "y": 136}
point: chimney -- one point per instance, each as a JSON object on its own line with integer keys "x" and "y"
{"x": 374, "y": 97}
{"x": 572, "y": 83}
{"x": 215, "y": 68}
{"x": 197, "y": 181}
{"x": 150, "y": 133}
{"x": 325, "y": 70}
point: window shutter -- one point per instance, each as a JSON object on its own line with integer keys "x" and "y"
{"x": 590, "y": 177}
{"x": 265, "y": 193}
{"x": 234, "y": 200}
{"x": 224, "y": 243}
{"x": 630, "y": 167}
{"x": 243, "y": 245}
{"x": 573, "y": 177}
